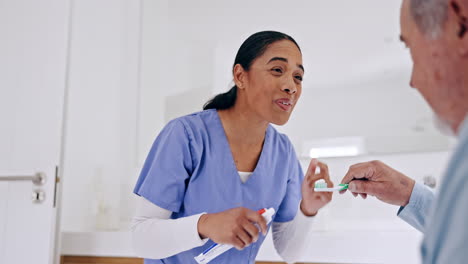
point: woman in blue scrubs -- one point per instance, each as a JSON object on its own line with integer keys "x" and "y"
{"x": 208, "y": 173}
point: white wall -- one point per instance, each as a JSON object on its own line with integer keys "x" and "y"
{"x": 100, "y": 147}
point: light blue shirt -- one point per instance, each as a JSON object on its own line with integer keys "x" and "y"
{"x": 190, "y": 170}
{"x": 446, "y": 228}
{"x": 419, "y": 207}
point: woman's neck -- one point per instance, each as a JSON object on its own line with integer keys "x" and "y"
{"x": 243, "y": 127}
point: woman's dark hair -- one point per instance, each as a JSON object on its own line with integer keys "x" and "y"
{"x": 252, "y": 48}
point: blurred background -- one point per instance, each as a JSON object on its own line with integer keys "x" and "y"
{"x": 121, "y": 69}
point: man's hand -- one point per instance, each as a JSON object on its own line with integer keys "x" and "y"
{"x": 377, "y": 179}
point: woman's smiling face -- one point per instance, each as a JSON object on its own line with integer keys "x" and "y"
{"x": 273, "y": 84}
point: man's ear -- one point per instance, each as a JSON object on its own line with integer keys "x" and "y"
{"x": 239, "y": 76}
{"x": 460, "y": 8}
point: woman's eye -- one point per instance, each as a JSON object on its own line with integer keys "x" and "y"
{"x": 278, "y": 70}
{"x": 299, "y": 78}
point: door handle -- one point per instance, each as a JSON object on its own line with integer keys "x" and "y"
{"x": 38, "y": 179}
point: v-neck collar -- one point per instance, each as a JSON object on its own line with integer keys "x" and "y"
{"x": 227, "y": 147}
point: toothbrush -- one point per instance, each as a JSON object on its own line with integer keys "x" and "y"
{"x": 321, "y": 186}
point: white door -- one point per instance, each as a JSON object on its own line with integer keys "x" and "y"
{"x": 33, "y": 59}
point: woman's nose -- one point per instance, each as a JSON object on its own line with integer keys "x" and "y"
{"x": 290, "y": 87}
{"x": 290, "y": 90}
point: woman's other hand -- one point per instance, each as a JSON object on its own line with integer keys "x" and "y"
{"x": 312, "y": 201}
{"x": 234, "y": 227}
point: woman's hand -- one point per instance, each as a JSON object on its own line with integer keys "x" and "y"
{"x": 234, "y": 227}
{"x": 312, "y": 201}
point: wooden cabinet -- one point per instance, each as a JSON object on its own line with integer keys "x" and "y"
{"x": 99, "y": 260}
{"x": 117, "y": 260}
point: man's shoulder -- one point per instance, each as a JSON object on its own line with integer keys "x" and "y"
{"x": 460, "y": 156}
{"x": 457, "y": 171}
{"x": 463, "y": 136}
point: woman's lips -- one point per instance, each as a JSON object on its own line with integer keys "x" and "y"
{"x": 284, "y": 103}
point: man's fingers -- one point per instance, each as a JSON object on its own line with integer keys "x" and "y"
{"x": 367, "y": 187}
{"x": 359, "y": 171}
{"x": 354, "y": 172}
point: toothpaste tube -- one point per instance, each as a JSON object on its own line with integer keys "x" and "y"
{"x": 217, "y": 249}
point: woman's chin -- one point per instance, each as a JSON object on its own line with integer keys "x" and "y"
{"x": 280, "y": 120}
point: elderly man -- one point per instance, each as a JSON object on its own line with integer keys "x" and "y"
{"x": 435, "y": 31}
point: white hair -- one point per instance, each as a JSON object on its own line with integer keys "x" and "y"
{"x": 430, "y": 16}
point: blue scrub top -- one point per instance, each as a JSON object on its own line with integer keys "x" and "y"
{"x": 190, "y": 169}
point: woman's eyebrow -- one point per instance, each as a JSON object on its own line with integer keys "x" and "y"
{"x": 301, "y": 67}
{"x": 277, "y": 59}
{"x": 285, "y": 60}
